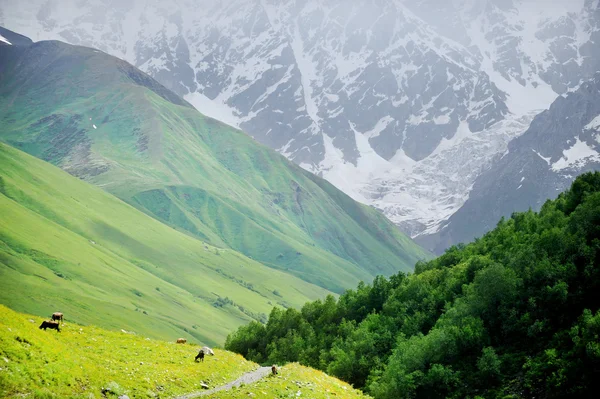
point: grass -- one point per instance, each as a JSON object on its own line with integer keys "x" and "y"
{"x": 294, "y": 381}
{"x": 203, "y": 178}
{"x": 80, "y": 361}
{"x": 68, "y": 246}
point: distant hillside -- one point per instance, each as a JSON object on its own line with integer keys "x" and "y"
{"x": 515, "y": 314}
{"x": 68, "y": 246}
{"x": 106, "y": 122}
{"x": 85, "y": 361}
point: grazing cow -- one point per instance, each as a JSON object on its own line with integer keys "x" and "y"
{"x": 57, "y": 316}
{"x": 181, "y": 340}
{"x": 200, "y": 356}
{"x": 274, "y": 369}
{"x": 50, "y": 324}
{"x": 208, "y": 351}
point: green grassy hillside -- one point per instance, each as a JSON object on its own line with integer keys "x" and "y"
{"x": 80, "y": 361}
{"x": 103, "y": 121}
{"x": 68, "y": 246}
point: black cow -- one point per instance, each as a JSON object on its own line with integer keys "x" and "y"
{"x": 200, "y": 356}
{"x": 53, "y": 325}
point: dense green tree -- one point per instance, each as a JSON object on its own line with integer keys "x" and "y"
{"x": 514, "y": 314}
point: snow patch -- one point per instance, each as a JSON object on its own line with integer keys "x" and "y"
{"x": 594, "y": 124}
{"x": 462, "y": 133}
{"x": 339, "y": 172}
{"x": 3, "y": 39}
{"x": 213, "y": 108}
{"x": 441, "y": 120}
{"x": 308, "y": 74}
{"x": 546, "y": 159}
{"x": 94, "y": 126}
{"x": 576, "y": 156}
{"x": 379, "y": 127}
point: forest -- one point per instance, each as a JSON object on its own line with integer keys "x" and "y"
{"x": 513, "y": 314}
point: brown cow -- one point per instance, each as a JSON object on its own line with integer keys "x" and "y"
{"x": 57, "y": 316}
{"x": 181, "y": 340}
{"x": 274, "y": 369}
{"x": 53, "y": 325}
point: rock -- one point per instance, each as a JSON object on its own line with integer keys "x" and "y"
{"x": 203, "y": 385}
{"x": 123, "y": 397}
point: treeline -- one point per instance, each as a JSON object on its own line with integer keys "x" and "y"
{"x": 513, "y": 314}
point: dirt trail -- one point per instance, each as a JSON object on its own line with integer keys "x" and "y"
{"x": 247, "y": 378}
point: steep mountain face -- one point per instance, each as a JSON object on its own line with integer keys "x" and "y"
{"x": 101, "y": 119}
{"x": 560, "y": 144}
{"x": 401, "y": 104}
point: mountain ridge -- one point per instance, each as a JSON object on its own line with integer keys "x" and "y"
{"x": 385, "y": 100}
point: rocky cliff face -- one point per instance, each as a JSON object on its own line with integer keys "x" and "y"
{"x": 560, "y": 144}
{"x": 401, "y": 104}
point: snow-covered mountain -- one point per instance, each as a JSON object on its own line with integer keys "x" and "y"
{"x": 560, "y": 144}
{"x": 400, "y": 103}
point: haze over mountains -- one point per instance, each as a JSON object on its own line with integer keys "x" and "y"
{"x": 401, "y": 104}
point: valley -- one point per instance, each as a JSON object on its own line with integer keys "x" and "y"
{"x": 404, "y": 195}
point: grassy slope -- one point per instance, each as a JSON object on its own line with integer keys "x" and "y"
{"x": 199, "y": 176}
{"x": 67, "y": 245}
{"x": 79, "y": 361}
{"x": 294, "y": 381}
